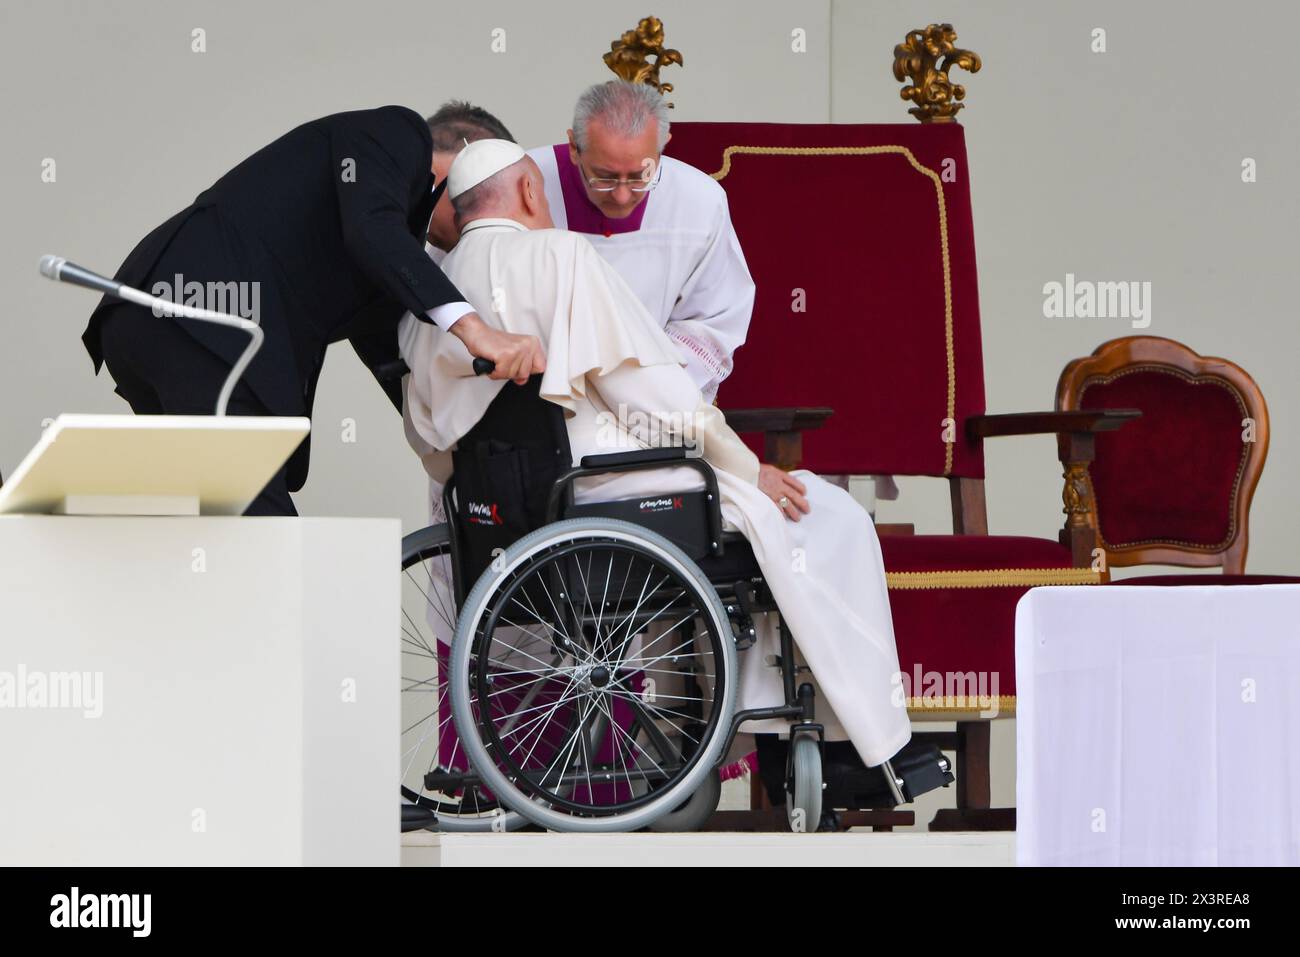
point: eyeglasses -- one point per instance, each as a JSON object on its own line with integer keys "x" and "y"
{"x": 606, "y": 185}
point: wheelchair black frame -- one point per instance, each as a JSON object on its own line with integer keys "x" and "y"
{"x": 740, "y": 599}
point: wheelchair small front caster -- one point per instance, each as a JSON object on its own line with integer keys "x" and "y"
{"x": 803, "y": 796}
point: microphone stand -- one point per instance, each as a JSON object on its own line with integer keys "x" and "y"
{"x": 57, "y": 268}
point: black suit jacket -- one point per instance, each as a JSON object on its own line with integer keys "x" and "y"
{"x": 330, "y": 221}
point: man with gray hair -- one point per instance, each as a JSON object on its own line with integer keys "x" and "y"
{"x": 456, "y": 123}
{"x": 663, "y": 225}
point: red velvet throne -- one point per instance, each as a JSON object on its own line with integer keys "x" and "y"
{"x": 860, "y": 242}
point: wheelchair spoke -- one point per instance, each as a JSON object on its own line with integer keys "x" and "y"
{"x": 638, "y": 703}
{"x": 563, "y": 753}
{"x": 657, "y": 737}
{"x": 414, "y": 638}
{"x": 447, "y": 615}
{"x": 618, "y": 750}
{"x": 586, "y": 590}
{"x": 659, "y": 695}
{"x": 428, "y": 730}
{"x": 636, "y": 663}
{"x": 541, "y": 638}
{"x": 416, "y": 683}
{"x": 631, "y": 616}
{"x": 558, "y": 617}
{"x": 421, "y": 653}
{"x": 542, "y": 722}
{"x": 513, "y": 649}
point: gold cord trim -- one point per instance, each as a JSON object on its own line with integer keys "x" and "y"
{"x": 1006, "y": 704}
{"x": 943, "y": 237}
{"x": 991, "y": 578}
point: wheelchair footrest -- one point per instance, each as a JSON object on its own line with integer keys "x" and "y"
{"x": 922, "y": 769}
{"x": 851, "y": 785}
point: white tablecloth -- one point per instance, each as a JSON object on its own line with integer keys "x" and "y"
{"x": 1158, "y": 726}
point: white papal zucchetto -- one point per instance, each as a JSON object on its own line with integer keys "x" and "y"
{"x": 479, "y": 160}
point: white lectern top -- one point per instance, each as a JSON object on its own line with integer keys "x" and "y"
{"x": 151, "y": 464}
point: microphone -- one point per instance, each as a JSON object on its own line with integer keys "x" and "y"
{"x": 59, "y": 269}
{"x": 56, "y": 267}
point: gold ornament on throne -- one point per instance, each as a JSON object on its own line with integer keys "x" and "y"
{"x": 629, "y": 55}
{"x": 917, "y": 59}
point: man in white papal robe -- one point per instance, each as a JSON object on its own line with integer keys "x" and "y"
{"x": 609, "y": 359}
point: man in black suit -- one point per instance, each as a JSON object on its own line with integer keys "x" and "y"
{"x": 326, "y": 225}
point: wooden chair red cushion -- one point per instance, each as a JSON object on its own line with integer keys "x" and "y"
{"x": 1172, "y": 474}
{"x": 1174, "y": 487}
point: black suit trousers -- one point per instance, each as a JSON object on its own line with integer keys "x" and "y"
{"x": 159, "y": 369}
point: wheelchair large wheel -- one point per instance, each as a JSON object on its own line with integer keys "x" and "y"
{"x": 593, "y": 676}
{"x": 697, "y": 810}
{"x": 436, "y": 776}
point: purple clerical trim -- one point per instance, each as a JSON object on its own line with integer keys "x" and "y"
{"x": 583, "y": 215}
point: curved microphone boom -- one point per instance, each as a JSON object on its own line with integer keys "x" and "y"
{"x": 58, "y": 268}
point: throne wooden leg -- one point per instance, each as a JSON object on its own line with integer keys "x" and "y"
{"x": 972, "y": 813}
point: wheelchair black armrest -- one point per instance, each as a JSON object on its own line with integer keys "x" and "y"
{"x": 613, "y": 459}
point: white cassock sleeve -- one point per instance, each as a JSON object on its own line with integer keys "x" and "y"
{"x": 415, "y": 403}
{"x": 711, "y": 317}
{"x": 662, "y": 393}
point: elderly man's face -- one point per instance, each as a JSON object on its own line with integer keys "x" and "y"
{"x": 610, "y": 156}
{"x": 442, "y": 227}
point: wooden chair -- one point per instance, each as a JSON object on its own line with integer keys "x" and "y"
{"x": 861, "y": 244}
{"x": 1174, "y": 488}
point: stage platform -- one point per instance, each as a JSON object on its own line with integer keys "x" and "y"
{"x": 849, "y": 849}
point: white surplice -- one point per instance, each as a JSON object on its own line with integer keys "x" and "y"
{"x": 612, "y": 369}
{"x": 677, "y": 251}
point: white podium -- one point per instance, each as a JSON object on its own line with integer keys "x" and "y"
{"x": 198, "y": 690}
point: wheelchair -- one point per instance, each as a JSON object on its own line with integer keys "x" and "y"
{"x": 574, "y": 666}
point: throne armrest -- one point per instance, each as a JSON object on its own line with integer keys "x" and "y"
{"x": 782, "y": 430}
{"x": 1046, "y": 423}
{"x": 1076, "y": 433}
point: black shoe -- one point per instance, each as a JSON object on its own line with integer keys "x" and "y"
{"x": 920, "y": 768}
{"x": 851, "y": 785}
